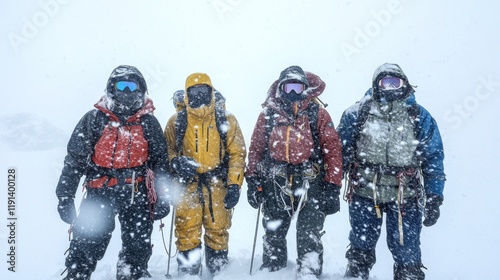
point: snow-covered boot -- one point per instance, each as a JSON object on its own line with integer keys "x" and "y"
{"x": 73, "y": 273}
{"x": 189, "y": 262}
{"x": 310, "y": 266}
{"x": 275, "y": 254}
{"x": 215, "y": 259}
{"x": 359, "y": 263}
{"x": 131, "y": 273}
{"x": 408, "y": 272}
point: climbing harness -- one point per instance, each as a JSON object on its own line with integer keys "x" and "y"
{"x": 286, "y": 196}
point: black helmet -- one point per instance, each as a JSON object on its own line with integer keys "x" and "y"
{"x": 126, "y": 97}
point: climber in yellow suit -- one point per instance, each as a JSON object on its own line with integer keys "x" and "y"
{"x": 207, "y": 152}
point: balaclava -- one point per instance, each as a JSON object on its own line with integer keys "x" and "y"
{"x": 129, "y": 100}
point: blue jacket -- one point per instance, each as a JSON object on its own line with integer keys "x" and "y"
{"x": 429, "y": 151}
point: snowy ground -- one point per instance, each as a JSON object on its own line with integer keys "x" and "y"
{"x": 57, "y": 56}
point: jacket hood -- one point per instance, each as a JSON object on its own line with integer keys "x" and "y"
{"x": 199, "y": 79}
{"x": 293, "y": 74}
{"x": 127, "y": 73}
{"x": 391, "y": 69}
{"x": 315, "y": 87}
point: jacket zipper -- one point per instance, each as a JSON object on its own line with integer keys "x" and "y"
{"x": 196, "y": 139}
{"x": 208, "y": 134}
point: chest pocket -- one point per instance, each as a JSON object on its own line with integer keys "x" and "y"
{"x": 292, "y": 143}
{"x": 121, "y": 146}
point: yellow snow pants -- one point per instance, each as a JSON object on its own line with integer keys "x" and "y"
{"x": 203, "y": 207}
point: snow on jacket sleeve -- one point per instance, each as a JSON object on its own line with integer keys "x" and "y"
{"x": 157, "y": 144}
{"x": 431, "y": 153}
{"x": 169, "y": 133}
{"x": 331, "y": 148}
{"x": 80, "y": 148}
{"x": 237, "y": 152}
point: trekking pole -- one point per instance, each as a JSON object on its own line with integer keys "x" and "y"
{"x": 255, "y": 238}
{"x": 170, "y": 244}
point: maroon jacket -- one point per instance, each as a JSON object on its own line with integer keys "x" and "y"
{"x": 328, "y": 139}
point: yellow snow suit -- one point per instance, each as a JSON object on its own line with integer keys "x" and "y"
{"x": 202, "y": 200}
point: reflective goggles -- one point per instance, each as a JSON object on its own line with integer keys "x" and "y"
{"x": 122, "y": 85}
{"x": 390, "y": 82}
{"x": 297, "y": 87}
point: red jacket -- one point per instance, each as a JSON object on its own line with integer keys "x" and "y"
{"x": 328, "y": 139}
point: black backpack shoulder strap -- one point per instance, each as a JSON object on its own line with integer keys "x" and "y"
{"x": 180, "y": 130}
{"x": 222, "y": 127}
{"x": 363, "y": 112}
{"x": 414, "y": 112}
{"x": 312, "y": 115}
{"x": 222, "y": 123}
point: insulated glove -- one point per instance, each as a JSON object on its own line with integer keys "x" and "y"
{"x": 66, "y": 209}
{"x": 185, "y": 167}
{"x": 331, "y": 199}
{"x": 255, "y": 194}
{"x": 162, "y": 209}
{"x": 232, "y": 196}
{"x": 431, "y": 211}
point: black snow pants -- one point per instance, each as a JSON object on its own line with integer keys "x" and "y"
{"x": 278, "y": 209}
{"x": 95, "y": 223}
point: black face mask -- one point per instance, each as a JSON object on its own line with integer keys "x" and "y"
{"x": 126, "y": 102}
{"x": 199, "y": 95}
{"x": 390, "y": 95}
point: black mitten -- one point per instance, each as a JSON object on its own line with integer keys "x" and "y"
{"x": 185, "y": 167}
{"x": 232, "y": 196}
{"x": 66, "y": 209}
{"x": 255, "y": 194}
{"x": 431, "y": 211}
{"x": 331, "y": 199}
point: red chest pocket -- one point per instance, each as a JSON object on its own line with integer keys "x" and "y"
{"x": 121, "y": 147}
{"x": 291, "y": 143}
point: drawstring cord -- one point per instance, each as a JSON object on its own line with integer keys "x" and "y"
{"x": 400, "y": 203}
{"x": 377, "y": 208}
{"x": 133, "y": 186}
{"x": 150, "y": 187}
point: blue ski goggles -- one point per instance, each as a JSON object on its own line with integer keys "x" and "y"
{"x": 122, "y": 85}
